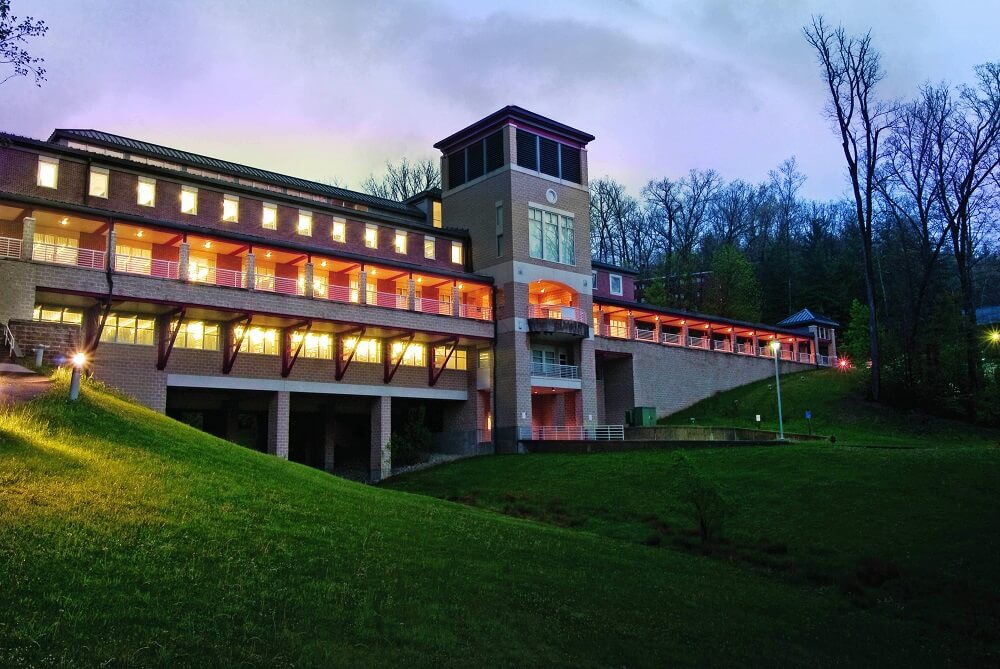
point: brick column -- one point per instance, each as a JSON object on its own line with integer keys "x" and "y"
{"x": 112, "y": 244}
{"x": 277, "y": 424}
{"x": 250, "y": 271}
{"x": 183, "y": 260}
{"x": 630, "y": 327}
{"x": 732, "y": 341}
{"x": 456, "y": 301}
{"x": 657, "y": 328}
{"x": 381, "y": 458}
{"x": 308, "y": 279}
{"x": 329, "y": 432}
{"x": 684, "y": 335}
{"x": 755, "y": 343}
{"x": 411, "y": 302}
{"x": 362, "y": 287}
{"x": 27, "y": 237}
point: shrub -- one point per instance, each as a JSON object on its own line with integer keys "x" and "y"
{"x": 705, "y": 503}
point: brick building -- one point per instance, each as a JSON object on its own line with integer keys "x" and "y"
{"x": 307, "y": 320}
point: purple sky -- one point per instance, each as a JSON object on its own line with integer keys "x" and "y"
{"x": 332, "y": 89}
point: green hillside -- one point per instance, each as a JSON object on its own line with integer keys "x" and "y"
{"x": 128, "y": 539}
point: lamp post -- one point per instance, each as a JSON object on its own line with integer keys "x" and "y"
{"x": 776, "y": 348}
{"x": 78, "y": 360}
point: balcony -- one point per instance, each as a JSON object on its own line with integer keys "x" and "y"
{"x": 216, "y": 276}
{"x": 573, "y": 433}
{"x": 279, "y": 284}
{"x": 556, "y": 312}
{"x": 10, "y": 247}
{"x": 553, "y": 371}
{"x": 558, "y": 322}
{"x": 161, "y": 269}
{"x": 68, "y": 255}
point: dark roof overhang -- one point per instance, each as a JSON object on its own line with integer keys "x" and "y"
{"x": 517, "y": 116}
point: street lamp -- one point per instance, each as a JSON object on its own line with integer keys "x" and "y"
{"x": 78, "y": 360}
{"x": 776, "y": 347}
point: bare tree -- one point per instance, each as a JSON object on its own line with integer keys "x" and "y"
{"x": 967, "y": 144}
{"x": 618, "y": 229}
{"x": 403, "y": 180}
{"x": 14, "y": 36}
{"x": 786, "y": 181}
{"x": 851, "y": 70}
{"x": 732, "y": 213}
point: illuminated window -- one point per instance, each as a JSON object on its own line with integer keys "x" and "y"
{"x": 230, "y": 208}
{"x": 371, "y": 236}
{"x": 48, "y": 172}
{"x": 128, "y": 329}
{"x": 368, "y": 350}
{"x": 258, "y": 340}
{"x": 353, "y": 288}
{"x": 146, "y": 192}
{"x": 55, "y": 248}
{"x": 430, "y": 247}
{"x": 189, "y": 200}
{"x": 305, "y": 226}
{"x": 339, "y": 230}
{"x": 263, "y": 277}
{"x": 484, "y": 358}
{"x": 459, "y": 359}
{"x": 201, "y": 268}
{"x": 98, "y": 182}
{"x": 197, "y": 335}
{"x": 414, "y": 355}
{"x": 436, "y": 214}
{"x": 399, "y": 241}
{"x": 49, "y": 314}
{"x": 456, "y": 252}
{"x": 551, "y": 236}
{"x": 315, "y": 345}
{"x": 269, "y": 219}
{"x": 320, "y": 283}
{"x": 616, "y": 284}
{"x": 134, "y": 258}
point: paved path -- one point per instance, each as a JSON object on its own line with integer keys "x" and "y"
{"x": 18, "y": 384}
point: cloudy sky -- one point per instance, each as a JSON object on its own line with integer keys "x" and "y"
{"x": 332, "y": 89}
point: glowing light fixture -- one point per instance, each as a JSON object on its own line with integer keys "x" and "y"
{"x": 208, "y": 245}
{"x": 139, "y": 234}
{"x": 64, "y": 221}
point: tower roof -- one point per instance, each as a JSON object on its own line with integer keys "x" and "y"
{"x": 519, "y": 116}
{"x": 807, "y": 317}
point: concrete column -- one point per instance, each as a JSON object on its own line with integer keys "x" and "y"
{"x": 27, "y": 237}
{"x": 329, "y": 433}
{"x": 732, "y": 341}
{"x": 362, "y": 287}
{"x": 308, "y": 279}
{"x": 112, "y": 244}
{"x": 250, "y": 272}
{"x": 183, "y": 260}
{"x": 755, "y": 343}
{"x": 411, "y": 302}
{"x": 277, "y": 423}
{"x": 456, "y": 301}
{"x": 684, "y": 335}
{"x": 381, "y": 458}
{"x": 630, "y": 327}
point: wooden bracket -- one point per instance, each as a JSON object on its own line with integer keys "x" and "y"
{"x": 342, "y": 363}
{"x": 166, "y": 336}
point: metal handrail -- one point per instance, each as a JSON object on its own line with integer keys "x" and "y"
{"x": 558, "y": 312}
{"x": 553, "y": 370}
{"x": 430, "y": 305}
{"x": 475, "y": 311}
{"x": 162, "y": 269}
{"x": 390, "y": 300}
{"x": 10, "y": 247}
{"x": 574, "y": 433}
{"x": 68, "y": 255}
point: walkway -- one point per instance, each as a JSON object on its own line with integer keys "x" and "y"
{"x": 18, "y": 384}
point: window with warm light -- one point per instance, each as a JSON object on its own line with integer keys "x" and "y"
{"x": 413, "y": 355}
{"x": 305, "y": 226}
{"x": 48, "y": 172}
{"x": 456, "y": 252}
{"x": 189, "y": 200}
{"x": 436, "y": 214}
{"x": 366, "y": 350}
{"x": 230, "y": 208}
{"x": 430, "y": 247}
{"x": 399, "y": 241}
{"x": 263, "y": 277}
{"x": 201, "y": 268}
{"x": 339, "y": 230}
{"x": 52, "y": 314}
{"x": 263, "y": 341}
{"x": 269, "y": 217}
{"x": 315, "y": 345}
{"x": 459, "y": 358}
{"x": 146, "y": 192}
{"x": 134, "y": 258}
{"x": 128, "y": 329}
{"x": 60, "y": 249}
{"x": 197, "y": 335}
{"x": 99, "y": 179}
{"x": 371, "y": 236}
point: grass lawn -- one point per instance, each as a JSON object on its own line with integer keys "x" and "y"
{"x": 128, "y": 539}
{"x": 909, "y": 533}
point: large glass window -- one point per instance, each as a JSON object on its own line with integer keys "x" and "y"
{"x": 197, "y": 335}
{"x": 414, "y": 355}
{"x": 98, "y": 182}
{"x": 456, "y": 253}
{"x": 399, "y": 241}
{"x": 259, "y": 340}
{"x": 368, "y": 350}
{"x": 230, "y": 208}
{"x": 128, "y": 329}
{"x": 371, "y": 236}
{"x": 305, "y": 226}
{"x": 316, "y": 345}
{"x": 459, "y": 359}
{"x": 48, "y": 172}
{"x": 146, "y": 192}
{"x": 430, "y": 247}
{"x": 51, "y": 314}
{"x": 551, "y": 236}
{"x": 189, "y": 200}
{"x": 339, "y": 230}
{"x": 269, "y": 220}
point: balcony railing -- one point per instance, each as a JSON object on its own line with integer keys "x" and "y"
{"x": 217, "y": 275}
{"x": 574, "y": 433}
{"x": 484, "y": 435}
{"x": 557, "y": 312}
{"x": 697, "y": 342}
{"x": 68, "y": 255}
{"x": 645, "y": 335}
{"x": 337, "y": 294}
{"x": 475, "y": 311}
{"x": 430, "y": 305}
{"x": 670, "y": 339}
{"x": 554, "y": 371}
{"x": 161, "y": 269}
{"x": 278, "y": 284}
{"x": 615, "y": 331}
{"x": 391, "y": 300}
{"x": 10, "y": 247}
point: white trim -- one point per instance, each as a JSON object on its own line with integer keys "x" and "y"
{"x": 611, "y": 283}
{"x": 243, "y": 383}
{"x": 549, "y": 208}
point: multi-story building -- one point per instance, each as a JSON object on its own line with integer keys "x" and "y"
{"x": 306, "y": 320}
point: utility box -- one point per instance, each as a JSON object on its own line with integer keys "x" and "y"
{"x": 642, "y": 417}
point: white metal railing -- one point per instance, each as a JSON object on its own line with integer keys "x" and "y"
{"x": 697, "y": 342}
{"x": 68, "y": 255}
{"x": 574, "y": 433}
{"x": 391, "y": 300}
{"x": 720, "y": 345}
{"x": 10, "y": 247}
{"x": 551, "y": 370}
{"x": 558, "y": 312}
{"x": 279, "y": 284}
{"x": 644, "y": 335}
{"x": 217, "y": 275}
{"x": 805, "y": 357}
{"x": 670, "y": 339}
{"x": 336, "y": 293}
{"x": 484, "y": 435}
{"x": 161, "y": 269}
{"x": 615, "y": 331}
{"x": 430, "y": 305}
{"x": 475, "y": 311}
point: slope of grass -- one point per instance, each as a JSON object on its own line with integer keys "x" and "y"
{"x": 837, "y": 403}
{"x": 910, "y": 531}
{"x": 127, "y": 539}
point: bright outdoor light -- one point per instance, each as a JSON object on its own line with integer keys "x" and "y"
{"x": 775, "y": 345}
{"x": 79, "y": 359}
{"x": 994, "y": 336}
